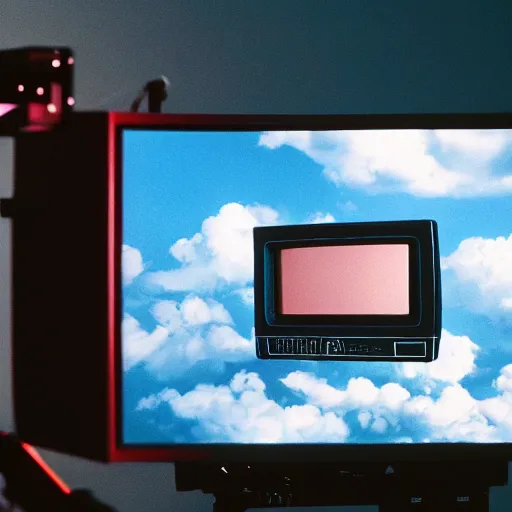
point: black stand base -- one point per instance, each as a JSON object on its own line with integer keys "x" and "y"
{"x": 393, "y": 487}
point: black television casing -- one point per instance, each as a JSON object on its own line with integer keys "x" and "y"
{"x": 66, "y": 292}
{"x": 413, "y": 337}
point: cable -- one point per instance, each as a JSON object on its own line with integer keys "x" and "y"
{"x": 156, "y": 92}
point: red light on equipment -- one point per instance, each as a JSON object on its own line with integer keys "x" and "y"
{"x": 40, "y": 91}
{"x": 44, "y": 466}
{"x": 56, "y": 63}
{"x": 21, "y": 88}
{"x": 5, "y": 108}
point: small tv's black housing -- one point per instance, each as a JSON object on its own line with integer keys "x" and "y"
{"x": 399, "y": 338}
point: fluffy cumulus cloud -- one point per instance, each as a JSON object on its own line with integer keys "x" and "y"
{"x": 193, "y": 311}
{"x": 247, "y": 295}
{"x": 321, "y": 218}
{"x": 379, "y": 425}
{"x": 418, "y": 162}
{"x": 226, "y": 341}
{"x": 360, "y": 393}
{"x": 378, "y": 408}
{"x": 364, "y": 418}
{"x": 196, "y": 311}
{"x": 499, "y": 409}
{"x": 186, "y": 333}
{"x": 139, "y": 344}
{"x": 455, "y": 416}
{"x": 504, "y": 382}
{"x": 482, "y": 267}
{"x": 480, "y": 145}
{"x": 222, "y": 253}
{"x": 241, "y": 412}
{"x": 132, "y": 264}
{"x": 456, "y": 360}
{"x": 316, "y": 390}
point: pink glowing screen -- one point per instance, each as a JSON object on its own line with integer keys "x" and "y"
{"x": 345, "y": 280}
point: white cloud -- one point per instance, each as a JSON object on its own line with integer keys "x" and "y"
{"x": 196, "y": 311}
{"x": 499, "y": 408}
{"x": 359, "y": 393}
{"x": 189, "y": 277}
{"x": 484, "y": 272}
{"x": 393, "y": 396}
{"x": 483, "y": 145}
{"x": 241, "y": 412}
{"x": 504, "y": 382}
{"x": 405, "y": 160}
{"x": 185, "y": 250}
{"x": 301, "y": 140}
{"x": 244, "y": 381}
{"x": 150, "y": 402}
{"x": 247, "y": 295}
{"x": 321, "y": 218}
{"x": 167, "y": 314}
{"x": 216, "y": 344}
{"x": 221, "y": 254}
{"x": 132, "y": 264}
{"x": 229, "y": 237}
{"x": 317, "y": 391}
{"x": 225, "y": 341}
{"x": 188, "y": 332}
{"x": 456, "y": 360}
{"x": 192, "y": 312}
{"x": 380, "y": 425}
{"x": 348, "y": 207}
{"x": 405, "y": 440}
{"x": 456, "y": 416}
{"x": 139, "y": 344}
{"x": 455, "y": 403}
{"x": 364, "y": 418}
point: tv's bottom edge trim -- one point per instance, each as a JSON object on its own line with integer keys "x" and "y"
{"x": 367, "y": 348}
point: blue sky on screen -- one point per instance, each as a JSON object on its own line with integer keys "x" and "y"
{"x": 191, "y": 201}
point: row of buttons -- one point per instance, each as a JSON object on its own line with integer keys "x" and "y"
{"x": 321, "y": 346}
{"x": 314, "y": 346}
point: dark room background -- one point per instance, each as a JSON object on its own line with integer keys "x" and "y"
{"x": 332, "y": 56}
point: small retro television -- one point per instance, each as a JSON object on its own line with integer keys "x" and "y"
{"x": 347, "y": 292}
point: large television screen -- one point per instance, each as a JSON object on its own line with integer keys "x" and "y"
{"x": 191, "y": 198}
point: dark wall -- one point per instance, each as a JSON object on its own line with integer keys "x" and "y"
{"x": 332, "y": 56}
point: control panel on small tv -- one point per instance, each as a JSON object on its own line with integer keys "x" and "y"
{"x": 365, "y": 291}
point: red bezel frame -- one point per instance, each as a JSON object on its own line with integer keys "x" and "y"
{"x": 117, "y": 121}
